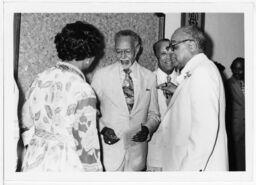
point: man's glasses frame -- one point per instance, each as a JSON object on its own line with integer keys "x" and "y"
{"x": 173, "y": 46}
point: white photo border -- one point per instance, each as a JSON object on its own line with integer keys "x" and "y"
{"x": 11, "y": 6}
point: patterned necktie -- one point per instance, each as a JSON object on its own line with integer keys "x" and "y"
{"x": 128, "y": 89}
{"x": 168, "y": 77}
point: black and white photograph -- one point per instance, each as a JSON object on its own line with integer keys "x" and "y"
{"x": 127, "y": 92}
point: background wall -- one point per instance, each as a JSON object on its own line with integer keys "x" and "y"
{"x": 37, "y": 32}
{"x": 226, "y": 31}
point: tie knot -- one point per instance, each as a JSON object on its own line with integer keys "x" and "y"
{"x": 168, "y": 78}
{"x": 127, "y": 71}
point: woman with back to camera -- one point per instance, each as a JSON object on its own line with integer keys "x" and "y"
{"x": 59, "y": 114}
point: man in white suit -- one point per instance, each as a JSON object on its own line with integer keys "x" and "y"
{"x": 128, "y": 104}
{"x": 165, "y": 73}
{"x": 194, "y": 134}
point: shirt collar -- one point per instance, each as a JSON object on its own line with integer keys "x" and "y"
{"x": 173, "y": 74}
{"x": 132, "y": 68}
{"x": 163, "y": 75}
{"x": 70, "y": 67}
{"x": 192, "y": 62}
{"x": 161, "y": 72}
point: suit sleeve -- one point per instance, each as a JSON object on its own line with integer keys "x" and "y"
{"x": 153, "y": 112}
{"x": 97, "y": 86}
{"x": 204, "y": 96}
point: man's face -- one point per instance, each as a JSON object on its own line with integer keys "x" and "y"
{"x": 164, "y": 57}
{"x": 126, "y": 50}
{"x": 238, "y": 71}
{"x": 180, "y": 49}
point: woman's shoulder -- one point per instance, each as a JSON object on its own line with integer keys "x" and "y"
{"x": 77, "y": 85}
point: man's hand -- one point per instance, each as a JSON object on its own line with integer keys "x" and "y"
{"x": 142, "y": 135}
{"x": 167, "y": 87}
{"x": 109, "y": 136}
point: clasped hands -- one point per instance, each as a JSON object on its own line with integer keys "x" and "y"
{"x": 110, "y": 137}
{"x": 168, "y": 88}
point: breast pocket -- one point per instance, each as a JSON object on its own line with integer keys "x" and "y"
{"x": 145, "y": 96}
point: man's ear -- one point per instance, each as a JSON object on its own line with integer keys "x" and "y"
{"x": 137, "y": 49}
{"x": 192, "y": 46}
{"x": 91, "y": 59}
{"x": 88, "y": 61}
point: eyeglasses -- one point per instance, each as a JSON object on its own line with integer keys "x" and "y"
{"x": 173, "y": 47}
{"x": 125, "y": 52}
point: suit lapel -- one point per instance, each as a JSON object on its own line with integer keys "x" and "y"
{"x": 161, "y": 97}
{"x": 191, "y": 66}
{"x": 138, "y": 85}
{"x": 175, "y": 95}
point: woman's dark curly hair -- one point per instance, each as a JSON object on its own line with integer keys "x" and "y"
{"x": 78, "y": 41}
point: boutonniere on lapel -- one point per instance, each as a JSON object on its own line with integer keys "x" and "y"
{"x": 187, "y": 74}
{"x": 182, "y": 77}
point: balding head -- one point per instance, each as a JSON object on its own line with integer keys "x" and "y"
{"x": 192, "y": 33}
{"x": 187, "y": 42}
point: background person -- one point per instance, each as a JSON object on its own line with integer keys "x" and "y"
{"x": 236, "y": 115}
{"x": 165, "y": 73}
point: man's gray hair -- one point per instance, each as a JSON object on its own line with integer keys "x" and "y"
{"x": 197, "y": 35}
{"x": 136, "y": 38}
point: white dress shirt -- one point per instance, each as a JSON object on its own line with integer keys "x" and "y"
{"x": 162, "y": 78}
{"x": 155, "y": 145}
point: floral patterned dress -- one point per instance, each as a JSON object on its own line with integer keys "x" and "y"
{"x": 60, "y": 110}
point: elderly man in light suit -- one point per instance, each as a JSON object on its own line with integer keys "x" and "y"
{"x": 165, "y": 74}
{"x": 128, "y": 104}
{"x": 194, "y": 134}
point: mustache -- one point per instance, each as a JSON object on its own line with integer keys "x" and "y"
{"x": 125, "y": 61}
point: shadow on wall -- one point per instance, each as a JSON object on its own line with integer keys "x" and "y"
{"x": 209, "y": 46}
{"x": 209, "y": 52}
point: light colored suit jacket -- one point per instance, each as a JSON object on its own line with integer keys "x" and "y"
{"x": 107, "y": 84}
{"x": 194, "y": 133}
{"x": 154, "y": 158}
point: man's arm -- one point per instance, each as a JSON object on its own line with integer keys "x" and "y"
{"x": 109, "y": 135}
{"x": 153, "y": 112}
{"x": 97, "y": 87}
{"x": 204, "y": 96}
{"x": 153, "y": 117}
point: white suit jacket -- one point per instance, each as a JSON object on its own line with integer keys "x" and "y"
{"x": 154, "y": 158}
{"x": 107, "y": 84}
{"x": 194, "y": 123}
